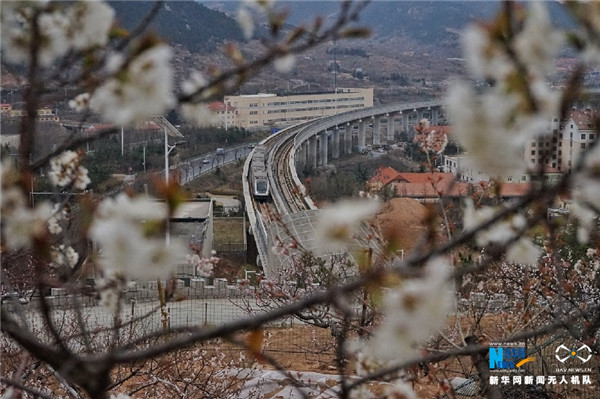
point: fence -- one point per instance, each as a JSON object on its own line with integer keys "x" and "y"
{"x": 230, "y": 236}
{"x": 196, "y": 303}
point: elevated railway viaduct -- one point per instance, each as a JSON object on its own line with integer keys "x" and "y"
{"x": 312, "y": 144}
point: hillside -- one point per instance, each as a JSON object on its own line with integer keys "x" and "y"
{"x": 432, "y": 25}
{"x": 187, "y": 23}
{"x": 413, "y": 49}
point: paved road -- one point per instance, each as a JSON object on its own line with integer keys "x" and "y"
{"x": 197, "y": 166}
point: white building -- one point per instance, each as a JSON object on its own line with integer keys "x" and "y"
{"x": 265, "y": 110}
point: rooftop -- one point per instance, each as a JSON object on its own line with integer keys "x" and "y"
{"x": 259, "y": 95}
{"x": 583, "y": 118}
{"x": 219, "y": 106}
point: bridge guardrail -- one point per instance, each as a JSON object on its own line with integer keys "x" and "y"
{"x": 312, "y": 128}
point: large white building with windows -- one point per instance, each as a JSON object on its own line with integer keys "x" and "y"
{"x": 557, "y": 150}
{"x": 266, "y": 110}
{"x": 578, "y": 134}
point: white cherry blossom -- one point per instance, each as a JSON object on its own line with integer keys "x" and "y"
{"x": 285, "y": 64}
{"x": 264, "y": 5}
{"x": 586, "y": 217}
{"x": 62, "y": 255}
{"x": 587, "y": 181}
{"x": 17, "y": 34}
{"x": 127, "y": 208}
{"x": 539, "y": 41}
{"x": 90, "y": 22}
{"x": 399, "y": 390}
{"x": 414, "y": 311}
{"x": 485, "y": 123}
{"x": 484, "y": 59}
{"x": 80, "y": 103}
{"x": 204, "y": 266}
{"x": 199, "y": 114}
{"x": 245, "y": 21}
{"x": 524, "y": 252}
{"x": 142, "y": 90}
{"x": 109, "y": 290}
{"x": 126, "y": 249}
{"x": 194, "y": 83}
{"x": 339, "y": 222}
{"x": 78, "y": 25}
{"x": 23, "y": 225}
{"x": 55, "y": 43}
{"x": 66, "y": 170}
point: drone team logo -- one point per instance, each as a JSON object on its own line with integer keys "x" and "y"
{"x": 507, "y": 356}
{"x": 583, "y": 353}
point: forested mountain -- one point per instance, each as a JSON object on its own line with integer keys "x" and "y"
{"x": 426, "y": 21}
{"x": 423, "y": 22}
{"x": 201, "y": 26}
{"x": 189, "y": 23}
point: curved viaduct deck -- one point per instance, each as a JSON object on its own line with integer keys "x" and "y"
{"x": 312, "y": 144}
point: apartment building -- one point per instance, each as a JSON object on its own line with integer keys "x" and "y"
{"x": 6, "y": 109}
{"x": 556, "y": 150}
{"x": 578, "y": 134}
{"x": 43, "y": 114}
{"x": 267, "y": 110}
{"x": 547, "y": 148}
{"x": 227, "y": 115}
{"x": 561, "y": 146}
{"x": 46, "y": 115}
{"x": 453, "y": 164}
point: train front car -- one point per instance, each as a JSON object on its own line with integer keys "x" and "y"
{"x": 261, "y": 186}
{"x": 259, "y": 178}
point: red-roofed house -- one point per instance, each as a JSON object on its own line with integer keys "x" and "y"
{"x": 514, "y": 190}
{"x": 435, "y": 177}
{"x": 428, "y": 191}
{"x": 382, "y": 178}
{"x": 428, "y": 186}
{"x": 228, "y": 115}
{"x": 94, "y": 127}
{"x": 5, "y": 108}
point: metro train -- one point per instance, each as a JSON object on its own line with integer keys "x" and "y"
{"x": 258, "y": 175}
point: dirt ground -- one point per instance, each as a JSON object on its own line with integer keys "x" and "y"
{"x": 309, "y": 349}
{"x": 402, "y": 219}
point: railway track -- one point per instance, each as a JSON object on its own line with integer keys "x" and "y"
{"x": 284, "y": 192}
{"x": 289, "y": 200}
{"x": 296, "y": 209}
{"x": 285, "y": 185}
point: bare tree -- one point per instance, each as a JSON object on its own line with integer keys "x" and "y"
{"x": 512, "y": 275}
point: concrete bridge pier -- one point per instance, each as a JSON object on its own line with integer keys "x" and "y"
{"x": 376, "y": 130}
{"x": 312, "y": 152}
{"x": 304, "y": 154}
{"x": 335, "y": 149}
{"x": 300, "y": 157}
{"x": 348, "y": 138}
{"x": 361, "y": 135}
{"x": 419, "y": 115}
{"x": 323, "y": 138}
{"x": 405, "y": 122}
{"x": 390, "y": 127}
{"x": 435, "y": 113}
